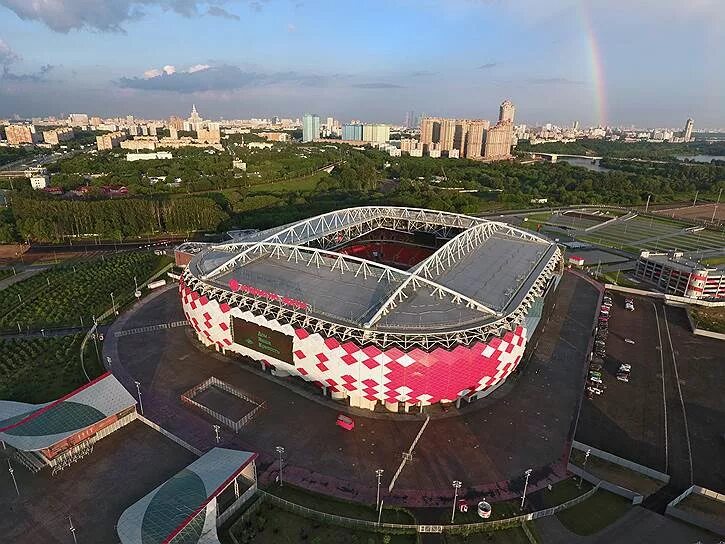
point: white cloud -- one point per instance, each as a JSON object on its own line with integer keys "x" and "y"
{"x": 198, "y": 68}
{"x": 154, "y": 72}
{"x": 7, "y": 55}
{"x": 169, "y": 69}
{"x": 291, "y": 27}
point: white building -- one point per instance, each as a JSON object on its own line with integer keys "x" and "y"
{"x": 236, "y": 163}
{"x": 39, "y": 181}
{"x": 131, "y": 157}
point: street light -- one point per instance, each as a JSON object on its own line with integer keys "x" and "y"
{"x": 526, "y": 484}
{"x": 216, "y": 431}
{"x": 113, "y": 302}
{"x": 584, "y": 465}
{"x": 11, "y": 470}
{"x": 280, "y": 451}
{"x": 138, "y": 391}
{"x": 378, "y": 473}
{"x": 72, "y": 530}
{"x": 456, "y": 487}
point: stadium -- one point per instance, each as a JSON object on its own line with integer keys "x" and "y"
{"x": 390, "y": 306}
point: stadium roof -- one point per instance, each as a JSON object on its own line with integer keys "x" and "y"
{"x": 170, "y": 513}
{"x": 32, "y": 427}
{"x": 485, "y": 275}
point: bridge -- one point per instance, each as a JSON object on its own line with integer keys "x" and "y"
{"x": 553, "y": 157}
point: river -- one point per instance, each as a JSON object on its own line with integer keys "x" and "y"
{"x": 584, "y": 163}
{"x": 700, "y": 158}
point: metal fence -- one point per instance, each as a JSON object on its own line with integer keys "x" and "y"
{"x": 151, "y": 328}
{"x": 188, "y": 398}
{"x": 371, "y": 525}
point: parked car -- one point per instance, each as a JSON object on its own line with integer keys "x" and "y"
{"x": 345, "y": 422}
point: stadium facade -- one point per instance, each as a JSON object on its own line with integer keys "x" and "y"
{"x": 400, "y": 306}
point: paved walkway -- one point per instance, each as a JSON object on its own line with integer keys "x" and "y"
{"x": 20, "y": 276}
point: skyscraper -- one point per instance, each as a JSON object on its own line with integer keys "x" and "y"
{"x": 310, "y": 127}
{"x": 352, "y": 132}
{"x": 506, "y": 112}
{"x": 426, "y": 130}
{"x": 476, "y": 135}
{"x": 448, "y": 132}
{"x": 689, "y": 126}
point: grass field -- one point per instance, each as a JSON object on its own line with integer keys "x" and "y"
{"x": 514, "y": 535}
{"x": 714, "y": 261}
{"x": 638, "y": 233}
{"x": 272, "y": 525}
{"x": 711, "y": 319}
{"x": 303, "y": 184}
{"x": 590, "y": 516}
{"x": 67, "y": 293}
{"x": 323, "y": 503}
{"x": 617, "y": 474}
{"x": 42, "y": 369}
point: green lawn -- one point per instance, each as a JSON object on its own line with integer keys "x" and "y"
{"x": 711, "y": 319}
{"x": 714, "y": 261}
{"x": 594, "y": 514}
{"x": 273, "y": 525}
{"x": 323, "y": 503}
{"x": 306, "y": 183}
{"x": 39, "y": 370}
{"x": 617, "y": 474}
{"x": 514, "y": 535}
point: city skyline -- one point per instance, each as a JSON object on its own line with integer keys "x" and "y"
{"x": 563, "y": 62}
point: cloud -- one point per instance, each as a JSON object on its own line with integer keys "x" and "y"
{"x": 216, "y": 11}
{"x": 553, "y": 81}
{"x": 488, "y": 66}
{"x": 109, "y": 15}
{"x": 203, "y": 77}
{"x": 377, "y": 85}
{"x": 36, "y": 77}
{"x": 7, "y": 55}
{"x": 291, "y": 27}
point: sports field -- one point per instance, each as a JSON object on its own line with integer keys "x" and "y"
{"x": 704, "y": 212}
{"x": 654, "y": 234}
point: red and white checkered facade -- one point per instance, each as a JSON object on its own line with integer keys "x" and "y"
{"x": 367, "y": 372}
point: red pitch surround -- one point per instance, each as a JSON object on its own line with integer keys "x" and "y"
{"x": 367, "y": 372}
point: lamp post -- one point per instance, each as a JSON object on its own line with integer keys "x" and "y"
{"x": 11, "y": 470}
{"x": 113, "y": 303}
{"x": 456, "y": 486}
{"x": 378, "y": 473}
{"x": 584, "y": 465}
{"x": 72, "y": 530}
{"x": 714, "y": 212}
{"x": 280, "y": 451}
{"x": 526, "y": 484}
{"x": 138, "y": 391}
{"x": 216, "y": 431}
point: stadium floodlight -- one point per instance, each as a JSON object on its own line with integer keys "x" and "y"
{"x": 456, "y": 486}
{"x": 378, "y": 473}
{"x": 113, "y": 303}
{"x": 138, "y": 391}
{"x": 526, "y": 484}
{"x": 280, "y": 451}
{"x": 584, "y": 465}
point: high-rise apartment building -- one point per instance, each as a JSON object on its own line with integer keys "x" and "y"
{"x": 447, "y": 135}
{"x": 476, "y": 136}
{"x": 506, "y": 112}
{"x": 310, "y": 127}
{"x": 375, "y": 133}
{"x": 689, "y": 126}
{"x": 498, "y": 141}
{"x": 21, "y": 134}
{"x": 110, "y": 140}
{"x": 352, "y": 132}
{"x": 460, "y": 136}
{"x": 426, "y": 130}
{"x": 78, "y": 119}
{"x": 54, "y": 137}
{"x": 176, "y": 122}
{"x": 209, "y": 135}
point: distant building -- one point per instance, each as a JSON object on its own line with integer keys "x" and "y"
{"x": 140, "y": 142}
{"x": 498, "y": 141}
{"x": 39, "y": 181}
{"x": 110, "y": 140}
{"x": 689, "y": 126}
{"x": 447, "y": 134}
{"x": 259, "y": 145}
{"x": 131, "y": 157}
{"x": 310, "y": 127}
{"x": 506, "y": 112}
{"x": 209, "y": 135}
{"x": 241, "y": 165}
{"x": 176, "y": 123}
{"x": 195, "y": 121}
{"x": 21, "y": 134}
{"x": 375, "y": 133}
{"x": 54, "y": 137}
{"x": 78, "y": 119}
{"x": 352, "y": 132}
{"x": 476, "y": 135}
{"x": 274, "y": 136}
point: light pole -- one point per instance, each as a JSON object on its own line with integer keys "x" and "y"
{"x": 456, "y": 486}
{"x": 584, "y": 465}
{"x": 216, "y": 431}
{"x": 11, "y": 470}
{"x": 113, "y": 303}
{"x": 378, "y": 473}
{"x": 526, "y": 484}
{"x": 280, "y": 451}
{"x": 138, "y": 391}
{"x": 714, "y": 212}
{"x": 646, "y": 208}
{"x": 72, "y": 530}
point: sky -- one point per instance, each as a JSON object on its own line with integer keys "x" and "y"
{"x": 648, "y": 63}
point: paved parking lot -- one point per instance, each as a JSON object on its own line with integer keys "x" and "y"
{"x": 122, "y": 468}
{"x": 671, "y": 414}
{"x": 489, "y": 443}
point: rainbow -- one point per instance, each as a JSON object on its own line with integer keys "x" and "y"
{"x": 595, "y": 62}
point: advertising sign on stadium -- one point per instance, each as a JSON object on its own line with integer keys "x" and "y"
{"x": 287, "y": 301}
{"x": 263, "y": 340}
{"x": 157, "y": 283}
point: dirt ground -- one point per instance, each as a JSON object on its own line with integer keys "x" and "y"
{"x": 701, "y": 211}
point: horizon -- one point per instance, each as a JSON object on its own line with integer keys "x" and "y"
{"x": 570, "y": 60}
